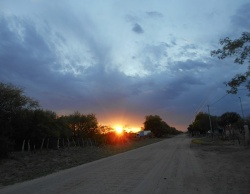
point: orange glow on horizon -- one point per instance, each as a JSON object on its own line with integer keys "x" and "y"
{"x": 118, "y": 129}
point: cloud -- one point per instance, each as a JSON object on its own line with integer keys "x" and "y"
{"x": 240, "y": 20}
{"x": 69, "y": 59}
{"x": 191, "y": 66}
{"x": 154, "y": 14}
{"x": 30, "y": 62}
{"x": 22, "y": 46}
{"x": 137, "y": 29}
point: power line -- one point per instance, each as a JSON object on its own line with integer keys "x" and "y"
{"x": 202, "y": 105}
{"x": 218, "y": 99}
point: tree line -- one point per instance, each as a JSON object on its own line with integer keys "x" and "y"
{"x": 25, "y": 126}
{"x": 204, "y": 123}
{"x": 158, "y": 127}
{"x": 238, "y": 50}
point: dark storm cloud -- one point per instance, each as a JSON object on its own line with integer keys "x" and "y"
{"x": 241, "y": 19}
{"x": 180, "y": 85}
{"x": 28, "y": 61}
{"x": 137, "y": 29}
{"x": 19, "y": 52}
{"x": 160, "y": 91}
{"x": 69, "y": 59}
{"x": 190, "y": 66}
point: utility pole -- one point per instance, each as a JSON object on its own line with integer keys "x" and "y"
{"x": 210, "y": 120}
{"x": 241, "y": 109}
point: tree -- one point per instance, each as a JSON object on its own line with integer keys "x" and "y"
{"x": 156, "y": 125}
{"x": 84, "y": 126}
{"x": 12, "y": 99}
{"x": 201, "y": 123}
{"x": 240, "y": 49}
{"x": 103, "y": 129}
{"x": 12, "y": 103}
{"x": 229, "y": 118}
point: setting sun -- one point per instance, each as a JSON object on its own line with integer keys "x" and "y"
{"x": 118, "y": 129}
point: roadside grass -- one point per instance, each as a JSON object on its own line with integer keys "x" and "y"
{"x": 212, "y": 141}
{"x": 201, "y": 142}
{"x": 26, "y": 166}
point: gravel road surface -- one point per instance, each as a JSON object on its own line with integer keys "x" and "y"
{"x": 169, "y": 166}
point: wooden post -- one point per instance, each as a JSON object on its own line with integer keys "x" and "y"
{"x": 58, "y": 141}
{"x": 23, "y": 145}
{"x": 42, "y": 145}
{"x": 28, "y": 145}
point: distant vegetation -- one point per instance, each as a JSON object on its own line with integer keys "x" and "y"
{"x": 158, "y": 127}
{"x": 27, "y": 127}
{"x": 204, "y": 123}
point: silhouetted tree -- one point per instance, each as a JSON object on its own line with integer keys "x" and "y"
{"x": 201, "y": 124}
{"x": 84, "y": 126}
{"x": 229, "y": 118}
{"x": 13, "y": 102}
{"x": 156, "y": 125}
{"x": 239, "y": 48}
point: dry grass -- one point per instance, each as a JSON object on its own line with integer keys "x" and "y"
{"x": 213, "y": 141}
{"x": 26, "y": 166}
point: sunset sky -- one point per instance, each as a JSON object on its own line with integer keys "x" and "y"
{"x": 123, "y": 59}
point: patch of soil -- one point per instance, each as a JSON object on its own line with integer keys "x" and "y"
{"x": 227, "y": 167}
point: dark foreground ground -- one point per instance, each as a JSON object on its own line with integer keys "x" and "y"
{"x": 175, "y": 165}
{"x": 226, "y": 165}
{"x": 25, "y": 166}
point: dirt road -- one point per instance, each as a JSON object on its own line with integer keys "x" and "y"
{"x": 169, "y": 166}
